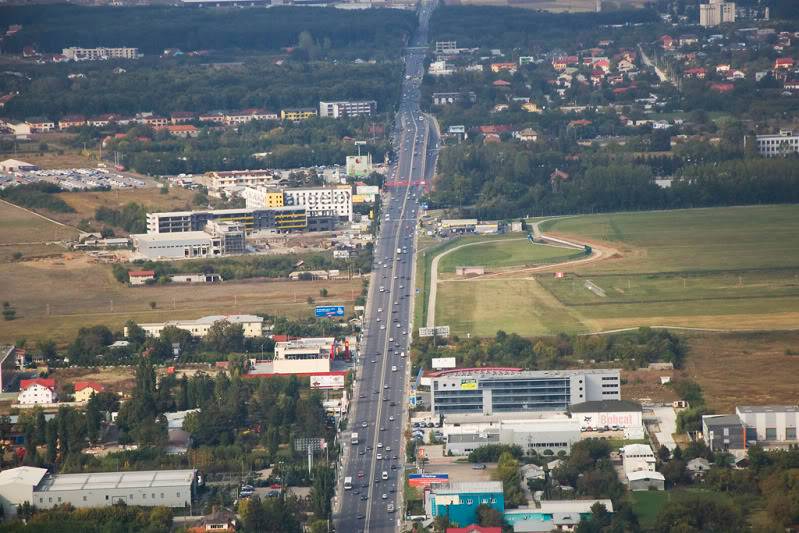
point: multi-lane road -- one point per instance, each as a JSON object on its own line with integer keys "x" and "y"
{"x": 378, "y": 412}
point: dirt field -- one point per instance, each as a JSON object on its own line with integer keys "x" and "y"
{"x": 119, "y": 379}
{"x": 732, "y": 369}
{"x": 745, "y": 368}
{"x": 85, "y": 203}
{"x": 55, "y": 297}
{"x": 24, "y": 232}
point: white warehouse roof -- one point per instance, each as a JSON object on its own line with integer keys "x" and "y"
{"x": 112, "y": 480}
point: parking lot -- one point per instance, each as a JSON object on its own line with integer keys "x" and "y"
{"x": 75, "y": 179}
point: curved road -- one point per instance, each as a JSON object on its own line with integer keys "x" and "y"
{"x": 537, "y": 233}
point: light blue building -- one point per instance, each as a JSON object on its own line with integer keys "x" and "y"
{"x": 459, "y": 501}
{"x": 561, "y": 515}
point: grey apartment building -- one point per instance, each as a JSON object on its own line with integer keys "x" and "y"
{"x": 490, "y": 391}
{"x": 350, "y": 108}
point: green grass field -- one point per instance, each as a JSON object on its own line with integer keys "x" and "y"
{"x": 733, "y": 268}
{"x": 509, "y": 252}
{"x": 26, "y": 233}
{"x": 523, "y": 307}
{"x": 646, "y": 505}
{"x": 685, "y": 240}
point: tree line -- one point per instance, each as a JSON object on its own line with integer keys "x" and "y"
{"x": 631, "y": 350}
{"x": 190, "y": 85}
{"x": 508, "y": 180}
{"x": 374, "y": 32}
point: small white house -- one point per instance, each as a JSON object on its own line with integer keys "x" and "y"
{"x": 697, "y": 467}
{"x": 37, "y": 391}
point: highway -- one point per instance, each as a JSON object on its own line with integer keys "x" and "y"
{"x": 378, "y": 412}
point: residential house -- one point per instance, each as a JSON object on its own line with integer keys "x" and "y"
{"x": 526, "y": 135}
{"x": 688, "y": 40}
{"x": 37, "y": 391}
{"x": 102, "y": 121}
{"x": 698, "y": 467}
{"x": 785, "y": 63}
{"x": 220, "y": 520}
{"x": 141, "y": 277}
{"x": 298, "y": 113}
{"x": 85, "y": 389}
{"x": 473, "y": 528}
{"x": 40, "y": 125}
{"x": 181, "y": 130}
{"x": 71, "y": 121}
{"x": 181, "y": 117}
{"x": 531, "y": 107}
{"x": 504, "y": 67}
{"x": 216, "y": 117}
{"x": 698, "y": 73}
{"x": 667, "y": 42}
{"x": 625, "y": 65}
{"x": 501, "y": 83}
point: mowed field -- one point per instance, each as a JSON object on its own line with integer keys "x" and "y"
{"x": 513, "y": 251}
{"x": 32, "y": 236}
{"x": 733, "y": 268}
{"x": 54, "y": 298}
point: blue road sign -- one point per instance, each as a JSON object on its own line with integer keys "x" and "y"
{"x": 328, "y": 311}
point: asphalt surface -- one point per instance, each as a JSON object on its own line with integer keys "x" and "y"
{"x": 380, "y": 392}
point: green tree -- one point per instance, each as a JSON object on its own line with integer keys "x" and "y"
{"x": 699, "y": 511}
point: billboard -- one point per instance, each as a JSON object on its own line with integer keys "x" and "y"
{"x": 469, "y": 384}
{"x": 367, "y": 190}
{"x": 425, "y": 480}
{"x": 327, "y": 381}
{"x": 329, "y": 311}
{"x": 443, "y": 362}
{"x": 438, "y": 331}
{"x": 359, "y": 165}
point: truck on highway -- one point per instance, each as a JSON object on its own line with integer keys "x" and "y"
{"x": 354, "y": 438}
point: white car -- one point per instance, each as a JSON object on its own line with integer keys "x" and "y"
{"x": 379, "y": 444}
{"x": 394, "y": 368}
{"x": 391, "y": 418}
{"x": 379, "y": 456}
{"x": 382, "y": 326}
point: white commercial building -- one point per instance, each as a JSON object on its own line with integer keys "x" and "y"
{"x": 637, "y": 458}
{"x": 169, "y": 488}
{"x": 779, "y": 144}
{"x": 769, "y": 423}
{"x": 547, "y": 433}
{"x": 303, "y": 356}
{"x": 715, "y": 13}
{"x": 75, "y": 53}
{"x": 218, "y": 239}
{"x": 357, "y": 108}
{"x": 219, "y": 181}
{"x": 503, "y": 390}
{"x": 608, "y": 414}
{"x": 253, "y": 325}
{"x": 322, "y": 201}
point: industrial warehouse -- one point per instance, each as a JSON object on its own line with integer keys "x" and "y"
{"x": 170, "y": 488}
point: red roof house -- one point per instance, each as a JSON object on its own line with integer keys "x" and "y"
{"x": 44, "y": 382}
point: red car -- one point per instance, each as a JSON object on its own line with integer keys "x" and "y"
{"x": 360, "y": 474}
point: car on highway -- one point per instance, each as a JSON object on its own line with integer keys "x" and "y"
{"x": 380, "y": 445}
{"x": 390, "y": 508}
{"x": 379, "y": 456}
{"x": 391, "y": 418}
{"x": 360, "y": 473}
{"x": 364, "y": 424}
{"x": 393, "y": 368}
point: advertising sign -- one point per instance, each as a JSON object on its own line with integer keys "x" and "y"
{"x": 443, "y": 362}
{"x": 327, "y": 382}
{"x": 425, "y": 480}
{"x": 469, "y": 384}
{"x": 359, "y": 165}
{"x": 438, "y": 331}
{"x": 329, "y": 311}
